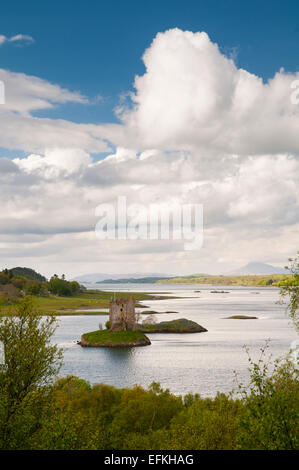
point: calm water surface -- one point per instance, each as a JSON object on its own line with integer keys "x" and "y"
{"x": 200, "y": 362}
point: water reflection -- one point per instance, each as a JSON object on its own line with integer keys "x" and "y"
{"x": 119, "y": 356}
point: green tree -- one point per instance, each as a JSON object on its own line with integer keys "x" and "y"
{"x": 60, "y": 287}
{"x": 31, "y": 361}
{"x": 142, "y": 412}
{"x": 75, "y": 287}
{"x": 270, "y": 419}
{"x": 290, "y": 289}
{"x": 34, "y": 289}
{"x": 204, "y": 424}
{"x": 270, "y": 415}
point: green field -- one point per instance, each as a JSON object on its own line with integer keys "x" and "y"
{"x": 55, "y": 305}
{"x": 250, "y": 280}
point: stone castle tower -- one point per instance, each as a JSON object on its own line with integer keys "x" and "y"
{"x": 122, "y": 314}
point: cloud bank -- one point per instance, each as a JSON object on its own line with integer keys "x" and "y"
{"x": 192, "y": 97}
{"x": 196, "y": 129}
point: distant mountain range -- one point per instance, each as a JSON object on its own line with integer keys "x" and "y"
{"x": 129, "y": 277}
{"x": 257, "y": 268}
{"x": 133, "y": 280}
{"x": 250, "y": 269}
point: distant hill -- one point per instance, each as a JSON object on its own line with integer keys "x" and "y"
{"x": 99, "y": 277}
{"x": 132, "y": 280}
{"x": 257, "y": 268}
{"x": 229, "y": 280}
{"x": 27, "y": 273}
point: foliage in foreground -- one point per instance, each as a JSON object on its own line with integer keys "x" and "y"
{"x": 271, "y": 414}
{"x": 290, "y": 291}
{"x": 77, "y": 415}
{"x": 31, "y": 361}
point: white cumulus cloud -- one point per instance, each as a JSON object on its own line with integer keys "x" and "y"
{"x": 198, "y": 130}
{"x": 193, "y": 97}
{"x": 55, "y": 161}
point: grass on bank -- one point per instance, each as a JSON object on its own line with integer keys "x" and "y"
{"x": 106, "y": 336}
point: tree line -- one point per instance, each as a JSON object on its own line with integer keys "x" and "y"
{"x": 18, "y": 282}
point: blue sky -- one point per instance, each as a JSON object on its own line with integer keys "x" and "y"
{"x": 95, "y": 47}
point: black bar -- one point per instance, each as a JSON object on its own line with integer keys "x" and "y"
{"x": 140, "y": 459}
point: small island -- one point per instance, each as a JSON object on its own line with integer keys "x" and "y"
{"x": 241, "y": 317}
{"x": 182, "y": 325}
{"x": 153, "y": 312}
{"x": 219, "y": 292}
{"x": 114, "y": 339}
{"x": 123, "y": 329}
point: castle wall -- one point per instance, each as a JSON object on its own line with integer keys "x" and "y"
{"x": 122, "y": 314}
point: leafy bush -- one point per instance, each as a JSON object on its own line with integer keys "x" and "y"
{"x": 270, "y": 416}
{"x": 290, "y": 290}
{"x": 31, "y": 361}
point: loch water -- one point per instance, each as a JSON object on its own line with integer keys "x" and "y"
{"x": 203, "y": 363}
